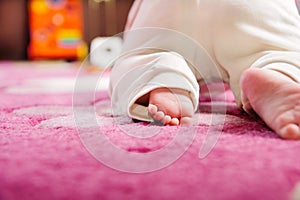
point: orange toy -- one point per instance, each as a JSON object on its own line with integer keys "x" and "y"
{"x": 56, "y": 30}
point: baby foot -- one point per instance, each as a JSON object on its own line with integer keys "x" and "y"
{"x": 275, "y": 98}
{"x": 171, "y": 107}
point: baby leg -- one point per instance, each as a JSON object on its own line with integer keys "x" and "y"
{"x": 253, "y": 39}
{"x": 275, "y": 97}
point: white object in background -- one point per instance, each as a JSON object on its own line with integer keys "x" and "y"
{"x": 105, "y": 50}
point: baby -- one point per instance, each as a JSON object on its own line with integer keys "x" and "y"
{"x": 172, "y": 46}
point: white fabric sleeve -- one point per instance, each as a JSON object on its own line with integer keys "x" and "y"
{"x": 137, "y": 73}
{"x": 287, "y": 63}
{"x": 154, "y": 56}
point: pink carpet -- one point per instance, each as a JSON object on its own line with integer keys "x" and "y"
{"x": 43, "y": 154}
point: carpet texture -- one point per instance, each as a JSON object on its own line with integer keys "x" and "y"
{"x": 44, "y": 154}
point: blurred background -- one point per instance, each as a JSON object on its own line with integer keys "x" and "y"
{"x": 51, "y": 29}
{"x": 58, "y": 29}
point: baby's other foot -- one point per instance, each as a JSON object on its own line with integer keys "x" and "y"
{"x": 276, "y": 99}
{"x": 171, "y": 107}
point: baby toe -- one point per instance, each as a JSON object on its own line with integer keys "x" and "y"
{"x": 152, "y": 109}
{"x": 167, "y": 119}
{"x": 186, "y": 121}
{"x": 290, "y": 131}
{"x": 174, "y": 121}
{"x": 159, "y": 116}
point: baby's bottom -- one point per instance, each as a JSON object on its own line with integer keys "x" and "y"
{"x": 271, "y": 94}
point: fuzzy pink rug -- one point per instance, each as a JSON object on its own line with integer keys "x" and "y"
{"x": 46, "y": 153}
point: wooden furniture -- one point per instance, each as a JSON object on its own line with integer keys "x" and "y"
{"x": 14, "y": 29}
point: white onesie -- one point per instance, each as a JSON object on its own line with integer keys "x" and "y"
{"x": 183, "y": 43}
